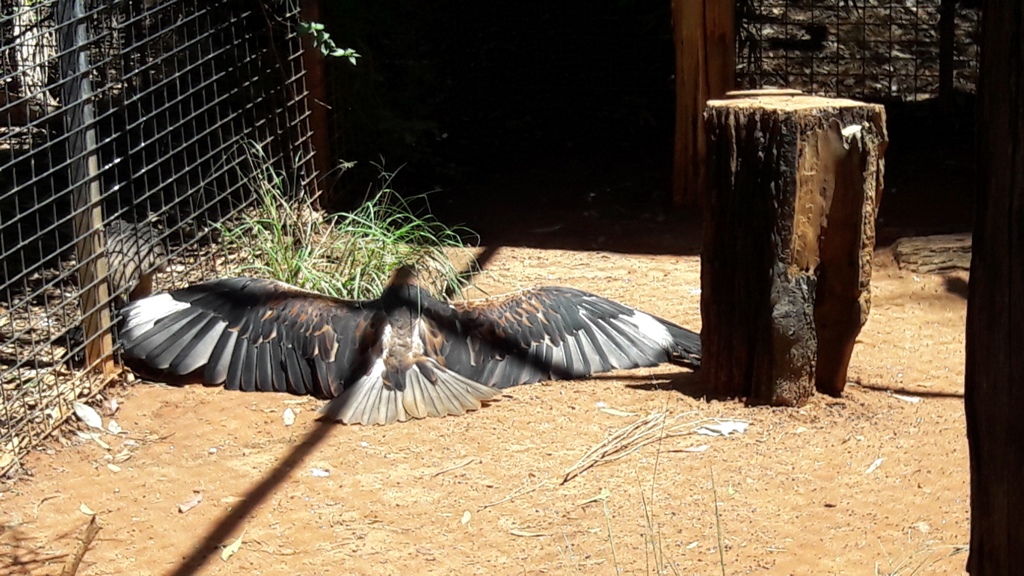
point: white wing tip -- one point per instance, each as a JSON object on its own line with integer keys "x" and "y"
{"x": 650, "y": 327}
{"x": 145, "y": 312}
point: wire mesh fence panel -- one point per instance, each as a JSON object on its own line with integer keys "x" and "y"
{"x": 869, "y": 49}
{"x": 130, "y": 133}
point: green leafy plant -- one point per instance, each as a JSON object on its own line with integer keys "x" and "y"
{"x": 347, "y": 255}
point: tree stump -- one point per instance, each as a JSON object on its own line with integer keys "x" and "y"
{"x": 789, "y": 230}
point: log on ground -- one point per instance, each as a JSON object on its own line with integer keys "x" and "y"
{"x": 933, "y": 254}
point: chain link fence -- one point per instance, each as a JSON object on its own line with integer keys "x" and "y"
{"x": 127, "y": 132}
{"x": 883, "y": 50}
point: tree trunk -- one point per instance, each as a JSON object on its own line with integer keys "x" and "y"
{"x": 789, "y": 222}
{"x": 994, "y": 375}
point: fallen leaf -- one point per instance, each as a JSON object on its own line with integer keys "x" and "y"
{"x": 466, "y": 516}
{"x": 86, "y": 510}
{"x": 701, "y": 448}
{"x": 191, "y": 503}
{"x": 232, "y": 549}
{"x": 288, "y": 416}
{"x": 723, "y": 427}
{"x": 113, "y": 427}
{"x": 88, "y": 415}
{"x": 113, "y": 467}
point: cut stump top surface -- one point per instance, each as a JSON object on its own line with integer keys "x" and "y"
{"x": 784, "y": 100}
{"x": 763, "y": 92}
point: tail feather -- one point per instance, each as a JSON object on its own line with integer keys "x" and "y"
{"x": 371, "y": 401}
{"x": 686, "y": 349}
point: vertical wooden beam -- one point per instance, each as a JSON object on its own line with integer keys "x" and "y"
{"x": 84, "y": 167}
{"x": 316, "y": 98}
{"x": 705, "y": 47}
{"x": 994, "y": 371}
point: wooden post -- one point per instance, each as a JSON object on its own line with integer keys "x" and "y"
{"x": 994, "y": 376}
{"x": 316, "y": 99}
{"x": 789, "y": 220}
{"x": 76, "y": 98}
{"x": 705, "y": 42}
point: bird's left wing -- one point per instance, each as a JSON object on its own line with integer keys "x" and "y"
{"x": 376, "y": 366}
{"x": 249, "y": 334}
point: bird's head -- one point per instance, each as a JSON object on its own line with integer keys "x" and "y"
{"x": 404, "y": 291}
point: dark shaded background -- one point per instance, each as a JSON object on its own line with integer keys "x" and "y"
{"x": 550, "y": 124}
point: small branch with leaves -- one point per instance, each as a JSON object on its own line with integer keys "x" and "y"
{"x": 323, "y": 41}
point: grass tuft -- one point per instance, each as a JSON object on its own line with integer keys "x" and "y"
{"x": 348, "y": 255}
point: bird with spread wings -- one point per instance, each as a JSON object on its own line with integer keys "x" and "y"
{"x": 402, "y": 356}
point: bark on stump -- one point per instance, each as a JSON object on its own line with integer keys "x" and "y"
{"x": 789, "y": 230}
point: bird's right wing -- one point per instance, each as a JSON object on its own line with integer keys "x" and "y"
{"x": 552, "y": 333}
{"x": 251, "y": 335}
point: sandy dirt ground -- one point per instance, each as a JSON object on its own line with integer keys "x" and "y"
{"x": 873, "y": 483}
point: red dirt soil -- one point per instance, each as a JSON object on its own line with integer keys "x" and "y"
{"x": 873, "y": 483}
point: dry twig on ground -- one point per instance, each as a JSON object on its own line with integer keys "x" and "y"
{"x": 71, "y": 566}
